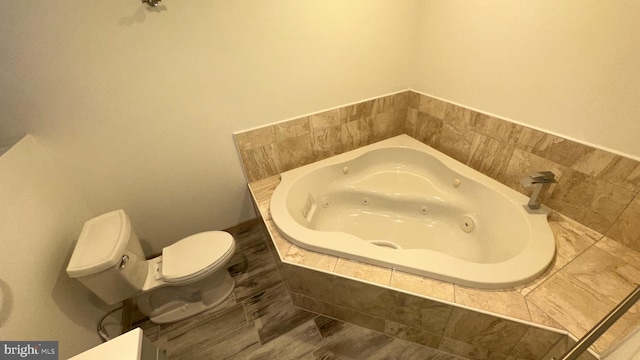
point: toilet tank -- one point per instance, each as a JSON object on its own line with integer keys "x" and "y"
{"x": 108, "y": 258}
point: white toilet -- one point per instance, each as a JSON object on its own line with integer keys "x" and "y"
{"x": 189, "y": 277}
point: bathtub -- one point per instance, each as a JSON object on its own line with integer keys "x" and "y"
{"x": 401, "y": 204}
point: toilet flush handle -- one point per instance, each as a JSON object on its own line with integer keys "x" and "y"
{"x": 125, "y": 260}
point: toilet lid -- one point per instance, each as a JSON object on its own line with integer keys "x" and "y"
{"x": 196, "y": 254}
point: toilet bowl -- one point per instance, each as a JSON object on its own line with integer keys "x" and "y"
{"x": 188, "y": 278}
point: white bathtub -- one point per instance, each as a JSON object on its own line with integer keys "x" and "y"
{"x": 401, "y": 204}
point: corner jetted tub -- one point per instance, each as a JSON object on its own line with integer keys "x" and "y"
{"x": 401, "y": 204}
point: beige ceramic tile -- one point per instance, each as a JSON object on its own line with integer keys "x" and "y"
{"x": 400, "y": 101}
{"x": 427, "y": 129}
{"x": 489, "y": 156}
{"x": 391, "y": 305}
{"x": 389, "y": 103}
{"x": 292, "y": 128}
{"x": 411, "y": 122}
{"x": 527, "y": 288}
{"x": 588, "y": 200}
{"x": 309, "y": 303}
{"x": 282, "y": 245}
{"x": 559, "y": 150}
{"x": 572, "y": 303}
{"x": 295, "y": 152}
{"x": 366, "y": 298}
{"x": 262, "y": 191}
{"x": 432, "y": 107}
{"x": 422, "y": 286}
{"x": 315, "y": 284}
{"x": 484, "y": 331}
{"x": 358, "y": 270}
{"x": 324, "y": 119}
{"x": 261, "y": 162}
{"x": 456, "y": 142}
{"x": 505, "y": 302}
{"x": 357, "y": 133}
{"x": 593, "y": 163}
{"x": 418, "y": 312}
{"x": 626, "y": 229}
{"x": 628, "y": 323}
{"x": 620, "y": 251}
{"x": 572, "y": 238}
{"x": 256, "y": 138}
{"x": 610, "y": 167}
{"x": 356, "y": 111}
{"x": 540, "y": 317}
{"x": 633, "y": 178}
{"x": 460, "y": 117}
{"x": 400, "y": 116}
{"x": 385, "y": 126}
{"x": 298, "y": 255}
{"x": 327, "y": 142}
{"x": 501, "y": 130}
{"x": 522, "y": 164}
{"x": 413, "y": 100}
{"x": 606, "y": 274}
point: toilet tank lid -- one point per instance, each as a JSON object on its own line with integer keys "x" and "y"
{"x": 101, "y": 244}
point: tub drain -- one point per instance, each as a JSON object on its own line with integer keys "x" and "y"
{"x": 467, "y": 224}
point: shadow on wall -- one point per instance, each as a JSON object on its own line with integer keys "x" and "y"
{"x": 6, "y": 302}
{"x": 140, "y": 15}
{"x": 72, "y": 298}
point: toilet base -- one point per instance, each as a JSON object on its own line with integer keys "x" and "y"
{"x": 175, "y": 303}
{"x": 189, "y": 309}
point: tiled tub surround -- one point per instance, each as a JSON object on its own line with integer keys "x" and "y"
{"x": 270, "y": 150}
{"x": 589, "y": 276}
{"x": 592, "y": 271}
{"x": 596, "y": 188}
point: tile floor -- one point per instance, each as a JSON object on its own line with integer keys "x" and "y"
{"x": 260, "y": 322}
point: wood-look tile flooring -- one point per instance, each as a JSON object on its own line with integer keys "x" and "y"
{"x": 260, "y": 322}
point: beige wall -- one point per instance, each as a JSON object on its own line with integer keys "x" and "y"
{"x": 140, "y": 106}
{"x": 569, "y": 67}
{"x": 41, "y": 215}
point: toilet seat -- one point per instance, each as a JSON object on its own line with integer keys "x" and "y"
{"x": 196, "y": 255}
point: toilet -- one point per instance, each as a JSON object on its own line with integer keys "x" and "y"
{"x": 188, "y": 278}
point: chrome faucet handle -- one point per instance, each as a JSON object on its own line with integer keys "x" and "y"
{"x": 540, "y": 177}
{"x": 543, "y": 176}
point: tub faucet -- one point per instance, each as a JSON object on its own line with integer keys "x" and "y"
{"x": 541, "y": 181}
{"x": 153, "y": 3}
